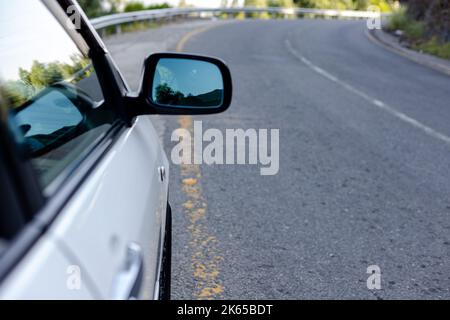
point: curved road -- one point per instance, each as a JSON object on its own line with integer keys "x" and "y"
{"x": 364, "y": 170}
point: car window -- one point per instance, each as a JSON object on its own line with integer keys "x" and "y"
{"x": 56, "y": 106}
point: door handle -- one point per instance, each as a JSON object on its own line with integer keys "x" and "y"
{"x": 128, "y": 281}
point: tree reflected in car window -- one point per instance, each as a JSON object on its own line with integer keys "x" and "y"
{"x": 56, "y": 106}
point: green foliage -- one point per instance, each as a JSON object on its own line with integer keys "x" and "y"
{"x": 16, "y": 92}
{"x": 257, "y": 4}
{"x": 115, "y": 5}
{"x": 384, "y": 5}
{"x": 360, "y": 4}
{"x": 139, "y": 6}
{"x": 134, "y": 6}
{"x": 281, "y": 3}
{"x": 334, "y": 4}
{"x": 413, "y": 30}
{"x": 158, "y": 6}
{"x": 40, "y": 76}
{"x": 435, "y": 47}
{"x": 166, "y": 95}
{"x": 93, "y": 8}
{"x": 398, "y": 20}
{"x": 305, "y": 3}
{"x": 139, "y": 26}
{"x": 435, "y": 14}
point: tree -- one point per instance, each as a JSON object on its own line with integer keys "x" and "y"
{"x": 93, "y": 8}
{"x": 361, "y": 4}
{"x": 281, "y": 3}
{"x": 334, "y": 4}
{"x": 40, "y": 76}
{"x": 115, "y": 5}
{"x": 304, "y": 3}
{"x": 257, "y": 4}
{"x": 166, "y": 95}
{"x": 344, "y": 4}
{"x": 164, "y": 5}
{"x": 134, "y": 6}
{"x": 437, "y": 19}
{"x": 435, "y": 14}
{"x": 417, "y": 8}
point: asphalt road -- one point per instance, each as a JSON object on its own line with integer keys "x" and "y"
{"x": 364, "y": 169}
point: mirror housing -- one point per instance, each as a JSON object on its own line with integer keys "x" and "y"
{"x": 144, "y": 103}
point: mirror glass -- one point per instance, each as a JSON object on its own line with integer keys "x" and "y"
{"x": 187, "y": 83}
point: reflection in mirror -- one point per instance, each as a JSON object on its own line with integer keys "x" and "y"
{"x": 187, "y": 83}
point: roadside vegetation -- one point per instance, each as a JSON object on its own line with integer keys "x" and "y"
{"x": 42, "y": 75}
{"x": 384, "y": 5}
{"x": 423, "y": 26}
{"x": 96, "y": 8}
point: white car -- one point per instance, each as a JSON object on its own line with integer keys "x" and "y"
{"x": 84, "y": 203}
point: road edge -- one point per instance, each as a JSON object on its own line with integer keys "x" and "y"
{"x": 417, "y": 57}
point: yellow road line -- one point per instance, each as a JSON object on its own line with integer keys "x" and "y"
{"x": 205, "y": 259}
{"x": 188, "y": 36}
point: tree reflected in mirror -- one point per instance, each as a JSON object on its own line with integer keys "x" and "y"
{"x": 187, "y": 83}
{"x": 165, "y": 95}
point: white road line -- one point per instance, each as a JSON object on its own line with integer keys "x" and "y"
{"x": 377, "y": 103}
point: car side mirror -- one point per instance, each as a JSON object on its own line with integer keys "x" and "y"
{"x": 184, "y": 84}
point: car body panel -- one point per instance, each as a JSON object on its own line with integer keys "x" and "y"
{"x": 44, "y": 274}
{"x": 123, "y": 201}
{"x": 116, "y": 200}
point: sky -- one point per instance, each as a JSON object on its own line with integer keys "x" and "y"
{"x": 35, "y": 36}
{"x": 24, "y": 40}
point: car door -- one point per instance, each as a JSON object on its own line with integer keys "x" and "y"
{"x": 113, "y": 224}
{"x": 104, "y": 198}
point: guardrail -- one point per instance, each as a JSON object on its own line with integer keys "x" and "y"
{"x": 166, "y": 14}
